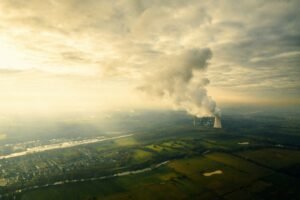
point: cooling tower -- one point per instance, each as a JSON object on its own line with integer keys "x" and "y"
{"x": 217, "y": 123}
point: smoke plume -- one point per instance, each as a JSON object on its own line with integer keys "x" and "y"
{"x": 180, "y": 79}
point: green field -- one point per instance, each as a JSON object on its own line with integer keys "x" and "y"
{"x": 274, "y": 158}
{"x": 179, "y": 179}
{"x": 244, "y": 175}
{"x": 197, "y": 163}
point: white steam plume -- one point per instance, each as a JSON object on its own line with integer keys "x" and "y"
{"x": 180, "y": 79}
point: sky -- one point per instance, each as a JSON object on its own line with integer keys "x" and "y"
{"x": 66, "y": 55}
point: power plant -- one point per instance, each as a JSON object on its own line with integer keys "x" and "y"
{"x": 207, "y": 122}
{"x": 217, "y": 123}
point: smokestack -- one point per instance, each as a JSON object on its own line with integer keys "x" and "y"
{"x": 194, "y": 122}
{"x": 217, "y": 123}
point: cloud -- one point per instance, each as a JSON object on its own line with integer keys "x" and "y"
{"x": 180, "y": 80}
{"x": 255, "y": 43}
{"x": 278, "y": 56}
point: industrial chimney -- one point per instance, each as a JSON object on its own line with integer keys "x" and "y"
{"x": 217, "y": 123}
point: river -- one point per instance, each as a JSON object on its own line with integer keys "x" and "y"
{"x": 62, "y": 182}
{"x": 60, "y": 146}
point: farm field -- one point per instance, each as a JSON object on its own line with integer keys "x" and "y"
{"x": 181, "y": 162}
